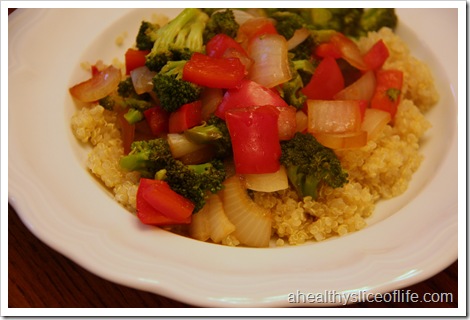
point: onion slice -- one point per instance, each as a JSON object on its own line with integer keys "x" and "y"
{"x": 297, "y": 38}
{"x": 98, "y": 86}
{"x": 142, "y": 79}
{"x": 349, "y": 50}
{"x": 252, "y": 222}
{"x": 220, "y": 226}
{"x": 271, "y": 64}
{"x": 374, "y": 122}
{"x": 267, "y": 182}
{"x": 334, "y": 116}
{"x": 361, "y": 89}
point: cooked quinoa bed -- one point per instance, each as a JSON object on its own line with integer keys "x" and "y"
{"x": 380, "y": 170}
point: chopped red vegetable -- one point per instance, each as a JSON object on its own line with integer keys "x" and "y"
{"x": 376, "y": 56}
{"x": 388, "y": 91}
{"x": 157, "y": 118}
{"x": 187, "y": 116}
{"x": 327, "y": 80}
{"x": 255, "y": 139}
{"x": 213, "y": 72}
{"x": 158, "y": 204}
{"x": 134, "y": 59}
{"x": 247, "y": 94}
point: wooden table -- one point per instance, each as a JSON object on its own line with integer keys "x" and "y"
{"x": 39, "y": 277}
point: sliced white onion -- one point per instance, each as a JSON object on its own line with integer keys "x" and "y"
{"x": 271, "y": 64}
{"x": 199, "y": 228}
{"x": 334, "y": 116}
{"x": 220, "y": 226}
{"x": 297, "y": 38}
{"x": 181, "y": 146}
{"x": 252, "y": 222}
{"x": 361, "y": 89}
{"x": 349, "y": 50}
{"x": 267, "y": 182}
{"x": 374, "y": 122}
{"x": 98, "y": 86}
{"x": 142, "y": 79}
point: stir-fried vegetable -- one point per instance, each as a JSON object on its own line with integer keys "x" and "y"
{"x": 217, "y": 102}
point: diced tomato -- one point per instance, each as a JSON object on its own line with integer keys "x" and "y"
{"x": 158, "y": 204}
{"x": 327, "y": 49}
{"x": 376, "y": 56}
{"x": 220, "y": 43}
{"x": 157, "y": 118}
{"x": 255, "y": 139}
{"x": 134, "y": 59}
{"x": 213, "y": 72}
{"x": 388, "y": 91}
{"x": 248, "y": 94}
{"x": 326, "y": 81}
{"x": 187, "y": 116}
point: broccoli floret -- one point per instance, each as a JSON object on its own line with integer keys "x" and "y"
{"x": 215, "y": 132}
{"x": 310, "y": 164}
{"x": 375, "y": 18}
{"x": 171, "y": 89}
{"x": 147, "y": 157}
{"x": 178, "y": 39}
{"x": 124, "y": 98}
{"x": 302, "y": 71}
{"x": 221, "y": 22}
{"x": 194, "y": 182}
{"x": 147, "y": 35}
{"x": 288, "y": 22}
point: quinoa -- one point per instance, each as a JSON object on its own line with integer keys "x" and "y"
{"x": 380, "y": 170}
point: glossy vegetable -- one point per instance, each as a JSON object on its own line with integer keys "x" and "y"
{"x": 388, "y": 91}
{"x": 327, "y": 80}
{"x": 158, "y": 204}
{"x": 252, "y": 222}
{"x": 214, "y": 72}
{"x": 255, "y": 139}
{"x": 101, "y": 84}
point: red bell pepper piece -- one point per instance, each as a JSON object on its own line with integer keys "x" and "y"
{"x": 187, "y": 116}
{"x": 388, "y": 91}
{"x": 377, "y": 55}
{"x": 134, "y": 59}
{"x": 255, "y": 139}
{"x": 248, "y": 94}
{"x": 158, "y": 204}
{"x": 213, "y": 72}
{"x": 327, "y": 49}
{"x": 326, "y": 81}
{"x": 253, "y": 28}
{"x": 157, "y": 119}
{"x": 220, "y": 43}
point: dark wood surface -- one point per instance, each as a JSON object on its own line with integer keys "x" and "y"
{"x": 39, "y": 277}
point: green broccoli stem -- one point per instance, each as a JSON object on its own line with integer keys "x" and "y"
{"x": 200, "y": 168}
{"x": 133, "y": 162}
{"x": 133, "y": 116}
{"x": 203, "y": 133}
